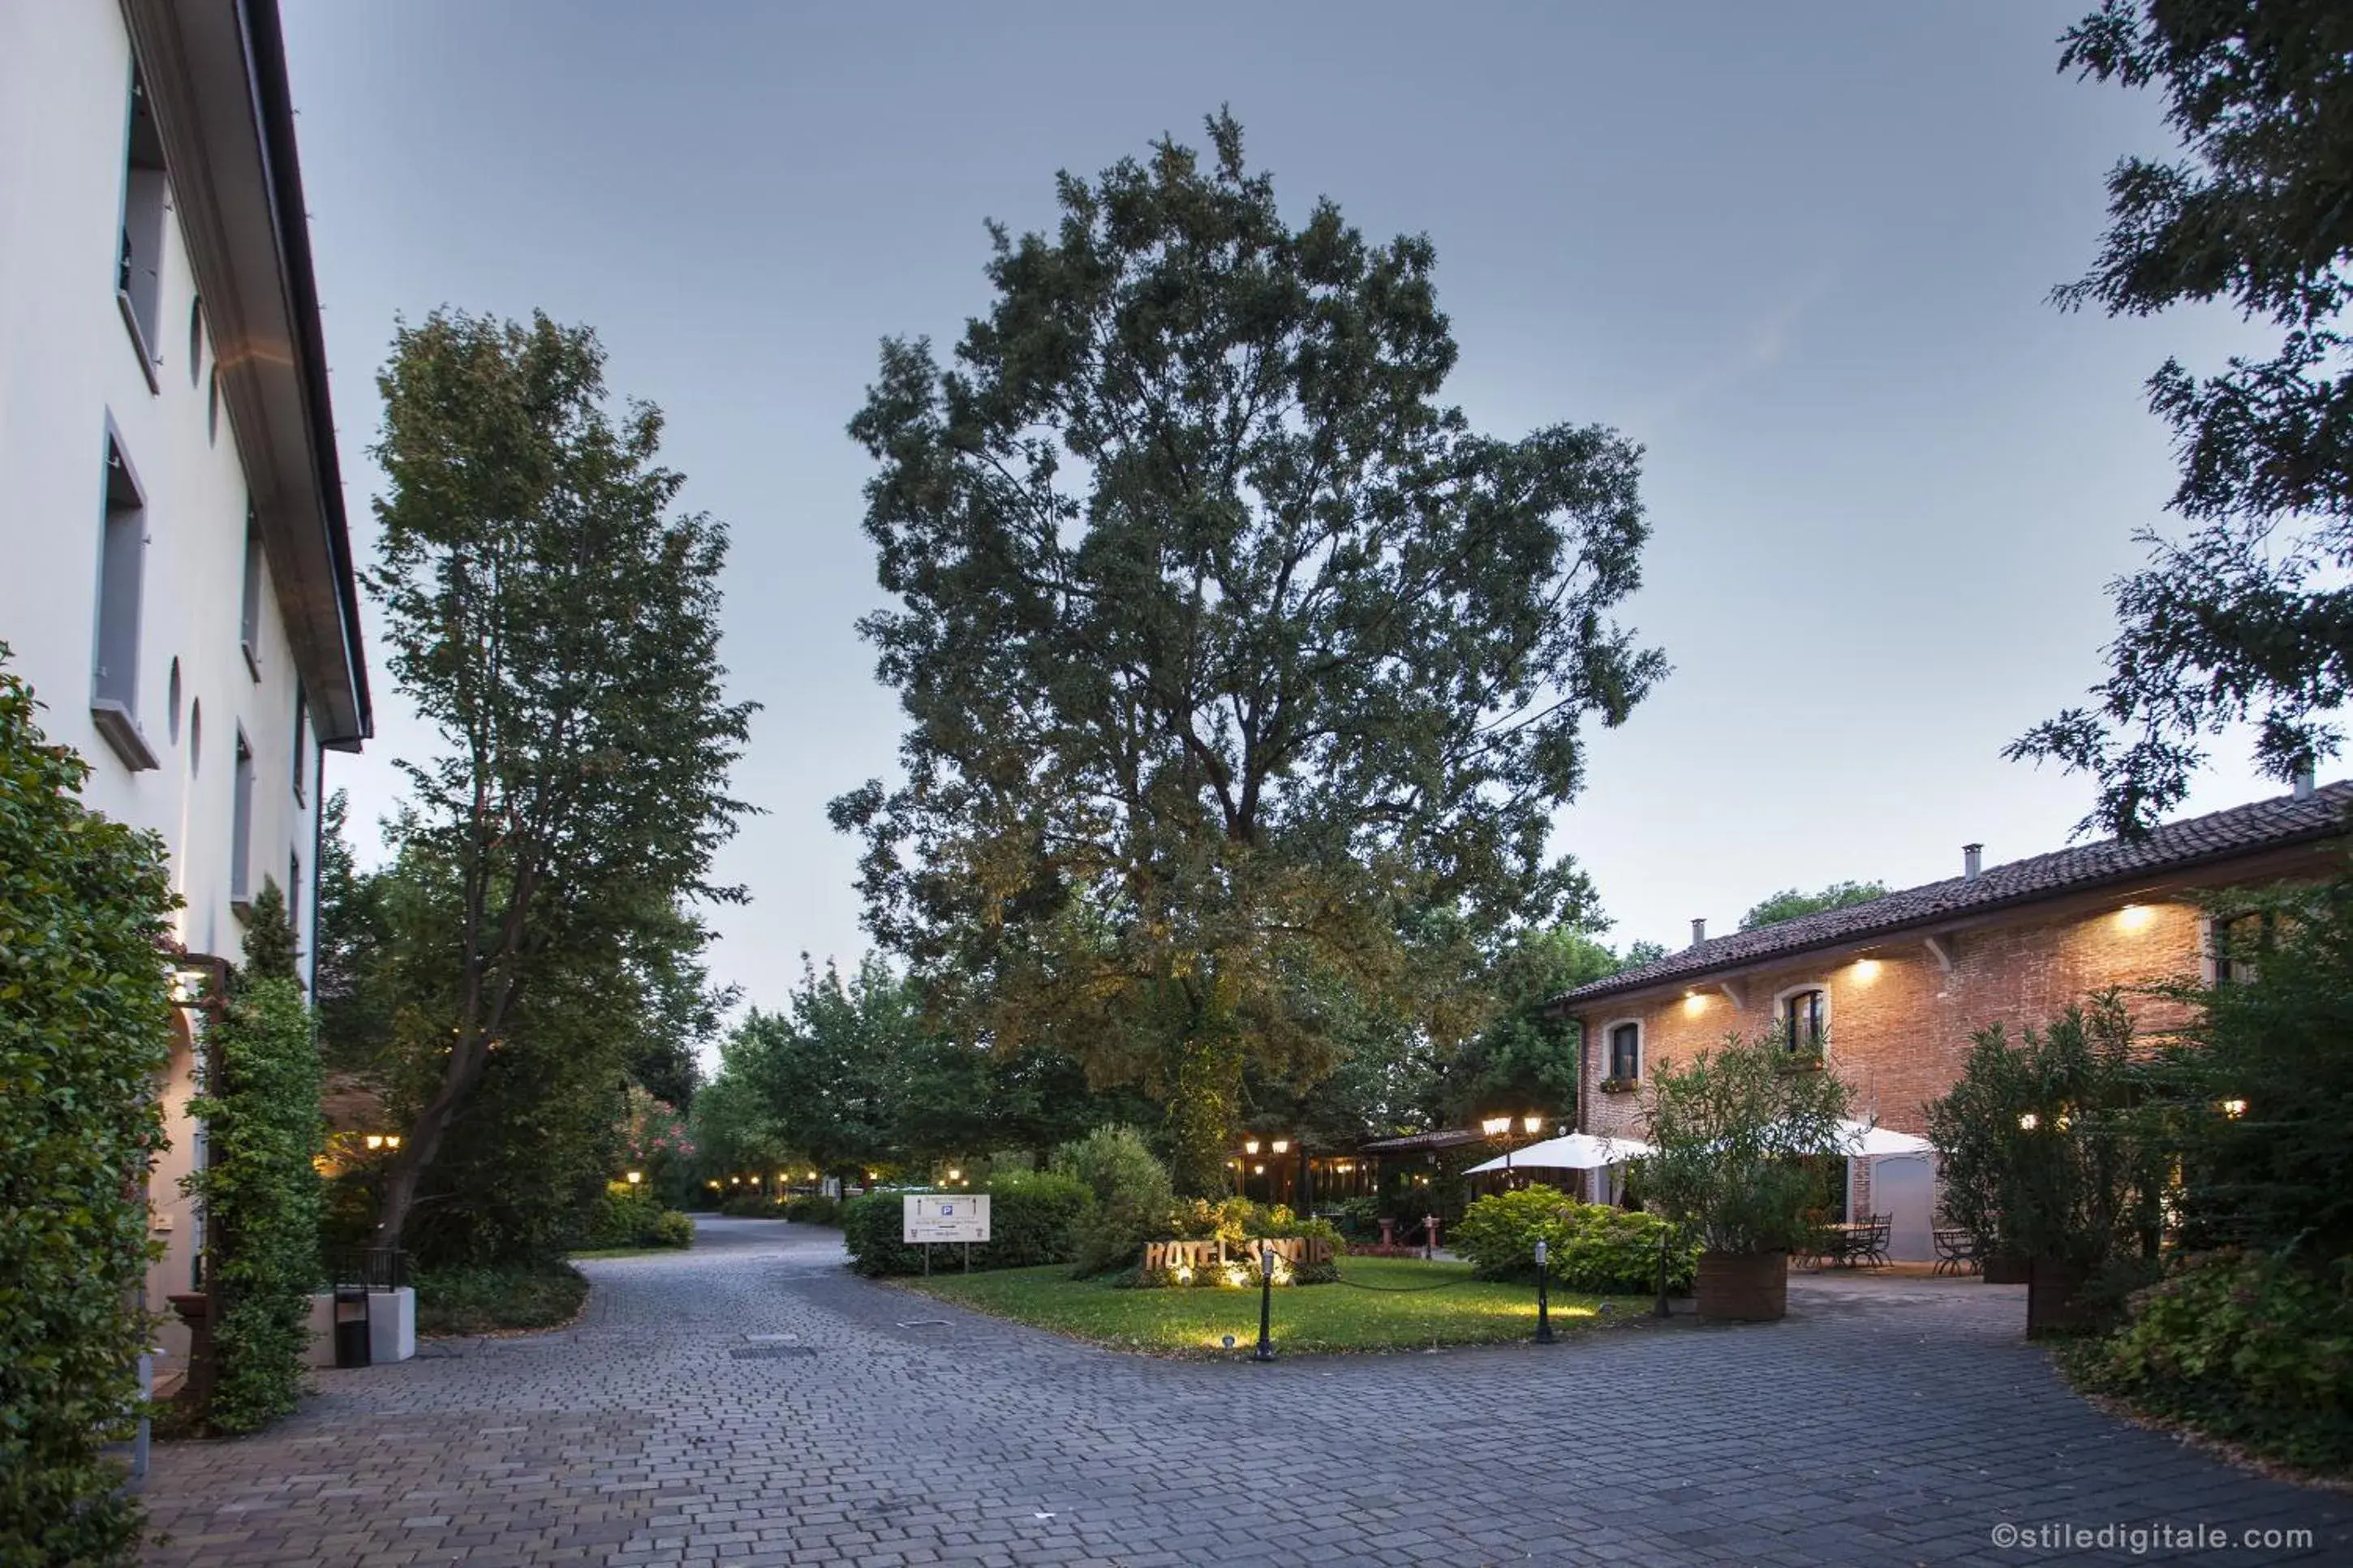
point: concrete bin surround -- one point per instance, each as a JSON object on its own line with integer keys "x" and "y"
{"x": 392, "y": 1326}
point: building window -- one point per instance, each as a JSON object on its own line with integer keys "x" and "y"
{"x": 241, "y": 832}
{"x": 1805, "y": 1021}
{"x": 1625, "y": 1052}
{"x": 248, "y": 632}
{"x": 122, "y": 571}
{"x": 2239, "y": 942}
{"x": 301, "y": 740}
{"x": 139, "y": 266}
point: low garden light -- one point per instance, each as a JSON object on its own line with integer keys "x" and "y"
{"x": 2029, "y": 1122}
{"x": 1544, "y": 1299}
{"x": 636, "y": 1176}
{"x": 1265, "y": 1351}
{"x": 2234, "y": 1109}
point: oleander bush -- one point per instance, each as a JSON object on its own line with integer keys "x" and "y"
{"x": 1592, "y": 1247}
{"x": 1031, "y": 1219}
{"x": 85, "y": 1028}
{"x": 2243, "y": 1346}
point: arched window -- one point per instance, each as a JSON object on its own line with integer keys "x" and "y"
{"x": 1625, "y": 1047}
{"x": 1806, "y": 1021}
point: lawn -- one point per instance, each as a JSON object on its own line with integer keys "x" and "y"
{"x": 1194, "y": 1322}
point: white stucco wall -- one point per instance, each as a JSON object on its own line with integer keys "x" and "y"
{"x": 68, "y": 365}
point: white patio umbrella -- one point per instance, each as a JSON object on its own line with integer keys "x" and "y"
{"x": 1865, "y": 1140}
{"x": 1578, "y": 1151}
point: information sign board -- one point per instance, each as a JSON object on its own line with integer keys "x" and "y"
{"x": 943, "y": 1216}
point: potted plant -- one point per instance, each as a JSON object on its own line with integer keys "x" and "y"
{"x": 1731, "y": 1130}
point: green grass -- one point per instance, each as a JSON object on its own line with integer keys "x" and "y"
{"x": 1308, "y": 1318}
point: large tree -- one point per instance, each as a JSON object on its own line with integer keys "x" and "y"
{"x": 1790, "y": 903}
{"x": 1236, "y": 664}
{"x": 2248, "y": 618}
{"x": 556, "y": 624}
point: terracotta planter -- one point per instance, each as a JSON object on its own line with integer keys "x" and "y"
{"x": 2055, "y": 1301}
{"x": 2006, "y": 1269}
{"x": 1743, "y": 1286}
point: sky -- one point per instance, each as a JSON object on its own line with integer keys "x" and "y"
{"x": 1801, "y": 254}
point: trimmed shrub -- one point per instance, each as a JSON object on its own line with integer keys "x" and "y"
{"x": 1360, "y": 1218}
{"x": 260, "y": 1190}
{"x": 813, "y": 1208}
{"x": 2242, "y": 1346}
{"x": 1031, "y": 1217}
{"x": 484, "y": 1300}
{"x": 1593, "y": 1247}
{"x": 751, "y": 1205}
{"x": 84, "y": 1030}
{"x": 625, "y": 1215}
{"x": 1133, "y": 1198}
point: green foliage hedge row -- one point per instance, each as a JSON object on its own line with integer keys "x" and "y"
{"x": 475, "y": 1300}
{"x": 624, "y": 1216}
{"x": 260, "y": 1190}
{"x": 750, "y": 1206}
{"x": 813, "y": 1208}
{"x": 84, "y": 1030}
{"x": 1030, "y": 1217}
{"x": 1591, "y": 1247}
{"x": 2243, "y": 1346}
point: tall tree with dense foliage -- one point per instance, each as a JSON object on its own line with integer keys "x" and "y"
{"x": 556, "y": 622}
{"x": 2249, "y": 617}
{"x": 85, "y": 1029}
{"x": 1236, "y": 664}
{"x": 1790, "y": 903}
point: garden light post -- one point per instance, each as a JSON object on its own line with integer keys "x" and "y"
{"x": 1265, "y": 1351}
{"x": 1664, "y": 1231}
{"x": 1544, "y": 1301}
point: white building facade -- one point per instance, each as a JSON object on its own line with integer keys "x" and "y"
{"x": 175, "y": 573}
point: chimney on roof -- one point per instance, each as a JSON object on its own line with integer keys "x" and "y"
{"x": 1972, "y": 861}
{"x": 2304, "y": 782}
{"x": 1699, "y": 930}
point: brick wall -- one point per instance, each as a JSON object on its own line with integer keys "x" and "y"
{"x": 1899, "y": 1021}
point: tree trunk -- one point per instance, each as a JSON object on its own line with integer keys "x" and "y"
{"x": 1204, "y": 1108}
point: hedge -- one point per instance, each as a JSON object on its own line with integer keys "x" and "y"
{"x": 260, "y": 1190}
{"x": 85, "y": 1029}
{"x": 1031, "y": 1216}
{"x": 624, "y": 1216}
{"x": 1592, "y": 1247}
{"x": 813, "y": 1208}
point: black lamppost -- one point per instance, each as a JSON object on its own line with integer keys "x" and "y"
{"x": 1543, "y": 1301}
{"x": 1265, "y": 1351}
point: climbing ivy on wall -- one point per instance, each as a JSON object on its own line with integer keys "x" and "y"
{"x": 260, "y": 1189}
{"x": 84, "y": 1030}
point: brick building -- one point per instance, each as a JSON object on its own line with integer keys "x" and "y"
{"x": 1890, "y": 990}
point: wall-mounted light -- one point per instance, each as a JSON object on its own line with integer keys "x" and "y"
{"x": 1694, "y": 1002}
{"x": 2133, "y": 916}
{"x": 1866, "y": 970}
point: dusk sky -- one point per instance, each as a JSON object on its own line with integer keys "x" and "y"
{"x": 1801, "y": 254}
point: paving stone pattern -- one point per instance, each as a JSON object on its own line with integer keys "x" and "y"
{"x": 1884, "y": 1422}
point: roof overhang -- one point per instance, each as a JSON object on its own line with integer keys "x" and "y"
{"x": 216, "y": 76}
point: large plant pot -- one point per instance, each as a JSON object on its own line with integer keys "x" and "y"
{"x": 1743, "y": 1286}
{"x": 2056, "y": 1302}
{"x": 2006, "y": 1269}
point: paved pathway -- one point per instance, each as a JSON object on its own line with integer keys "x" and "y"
{"x": 750, "y": 1403}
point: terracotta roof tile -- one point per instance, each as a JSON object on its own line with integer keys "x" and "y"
{"x": 2264, "y": 825}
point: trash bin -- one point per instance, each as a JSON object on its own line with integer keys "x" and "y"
{"x": 352, "y": 1346}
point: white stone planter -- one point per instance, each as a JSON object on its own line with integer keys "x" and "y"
{"x": 392, "y": 1326}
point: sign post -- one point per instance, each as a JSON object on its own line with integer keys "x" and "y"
{"x": 927, "y": 1217}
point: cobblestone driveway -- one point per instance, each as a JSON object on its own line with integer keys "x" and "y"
{"x": 751, "y": 1404}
